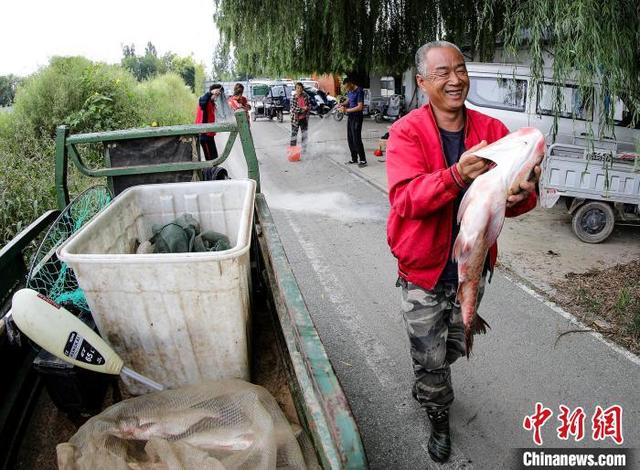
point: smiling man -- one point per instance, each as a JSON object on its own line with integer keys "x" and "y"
{"x": 430, "y": 163}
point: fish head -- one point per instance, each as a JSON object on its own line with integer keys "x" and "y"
{"x": 524, "y": 148}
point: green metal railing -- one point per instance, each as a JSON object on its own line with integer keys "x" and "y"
{"x": 66, "y": 146}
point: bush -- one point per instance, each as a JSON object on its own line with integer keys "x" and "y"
{"x": 88, "y": 97}
{"x": 166, "y": 101}
{"x": 26, "y": 190}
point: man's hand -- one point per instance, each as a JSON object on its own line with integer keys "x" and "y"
{"x": 526, "y": 188}
{"x": 470, "y": 166}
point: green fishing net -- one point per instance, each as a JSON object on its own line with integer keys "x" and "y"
{"x": 50, "y": 276}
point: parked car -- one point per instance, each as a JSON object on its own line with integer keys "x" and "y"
{"x": 309, "y": 82}
{"x": 267, "y": 101}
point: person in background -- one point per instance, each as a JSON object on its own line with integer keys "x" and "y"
{"x": 206, "y": 114}
{"x": 237, "y": 101}
{"x": 300, "y": 108}
{"x": 353, "y": 108}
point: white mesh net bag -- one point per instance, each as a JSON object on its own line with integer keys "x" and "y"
{"x": 228, "y": 424}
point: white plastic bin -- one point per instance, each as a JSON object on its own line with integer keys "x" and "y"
{"x": 178, "y": 318}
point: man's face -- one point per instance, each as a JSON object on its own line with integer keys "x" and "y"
{"x": 446, "y": 82}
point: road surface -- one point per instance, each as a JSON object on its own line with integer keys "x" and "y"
{"x": 332, "y": 224}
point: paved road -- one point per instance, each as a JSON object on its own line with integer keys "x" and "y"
{"x": 332, "y": 224}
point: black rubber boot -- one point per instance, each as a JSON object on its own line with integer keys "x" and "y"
{"x": 440, "y": 441}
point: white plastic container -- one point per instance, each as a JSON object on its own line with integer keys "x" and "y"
{"x": 178, "y": 318}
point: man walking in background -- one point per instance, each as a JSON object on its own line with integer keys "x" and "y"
{"x": 353, "y": 108}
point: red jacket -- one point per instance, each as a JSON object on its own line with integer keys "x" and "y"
{"x": 422, "y": 192}
{"x": 237, "y": 102}
{"x": 206, "y": 112}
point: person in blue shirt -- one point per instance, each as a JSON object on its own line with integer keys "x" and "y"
{"x": 353, "y": 108}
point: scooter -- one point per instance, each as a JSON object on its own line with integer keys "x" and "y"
{"x": 321, "y": 103}
{"x": 338, "y": 113}
{"x": 391, "y": 110}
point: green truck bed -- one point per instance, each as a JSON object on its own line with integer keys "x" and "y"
{"x": 292, "y": 363}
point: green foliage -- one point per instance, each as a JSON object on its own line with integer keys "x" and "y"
{"x": 88, "y": 97}
{"x": 223, "y": 69}
{"x": 75, "y": 91}
{"x": 26, "y": 189}
{"x": 191, "y": 72}
{"x": 150, "y": 65}
{"x": 340, "y": 36}
{"x": 590, "y": 40}
{"x": 142, "y": 67}
{"x": 166, "y": 101}
{"x": 8, "y": 86}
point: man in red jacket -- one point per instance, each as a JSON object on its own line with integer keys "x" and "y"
{"x": 430, "y": 164}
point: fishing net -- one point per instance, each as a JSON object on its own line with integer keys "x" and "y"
{"x": 228, "y": 424}
{"x": 50, "y": 276}
{"x": 224, "y": 113}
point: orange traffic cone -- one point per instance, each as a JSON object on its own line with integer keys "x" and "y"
{"x": 293, "y": 153}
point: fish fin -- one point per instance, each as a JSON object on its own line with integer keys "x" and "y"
{"x": 463, "y": 204}
{"x": 480, "y": 325}
{"x": 461, "y": 248}
{"x": 463, "y": 243}
{"x": 496, "y": 221}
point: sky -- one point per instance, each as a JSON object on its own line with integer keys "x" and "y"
{"x": 32, "y": 31}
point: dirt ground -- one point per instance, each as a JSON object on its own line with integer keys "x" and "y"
{"x": 606, "y": 300}
{"x": 541, "y": 248}
{"x": 600, "y": 284}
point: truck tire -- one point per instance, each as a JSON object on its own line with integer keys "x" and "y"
{"x": 593, "y": 222}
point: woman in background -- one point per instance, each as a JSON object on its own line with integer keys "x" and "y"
{"x": 299, "y": 115}
{"x": 237, "y": 101}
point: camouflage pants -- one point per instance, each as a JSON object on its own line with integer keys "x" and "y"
{"x": 436, "y": 335}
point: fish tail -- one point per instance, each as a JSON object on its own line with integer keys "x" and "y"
{"x": 479, "y": 325}
{"x": 468, "y": 340}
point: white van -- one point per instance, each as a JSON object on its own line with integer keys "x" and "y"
{"x": 503, "y": 91}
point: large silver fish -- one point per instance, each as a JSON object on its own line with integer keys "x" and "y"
{"x": 482, "y": 211}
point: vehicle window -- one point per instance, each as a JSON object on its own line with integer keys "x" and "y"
{"x": 572, "y": 104}
{"x": 387, "y": 86}
{"x": 260, "y": 90}
{"x": 500, "y": 93}
{"x": 622, "y": 115}
{"x": 278, "y": 90}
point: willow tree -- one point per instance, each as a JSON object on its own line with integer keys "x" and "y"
{"x": 589, "y": 40}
